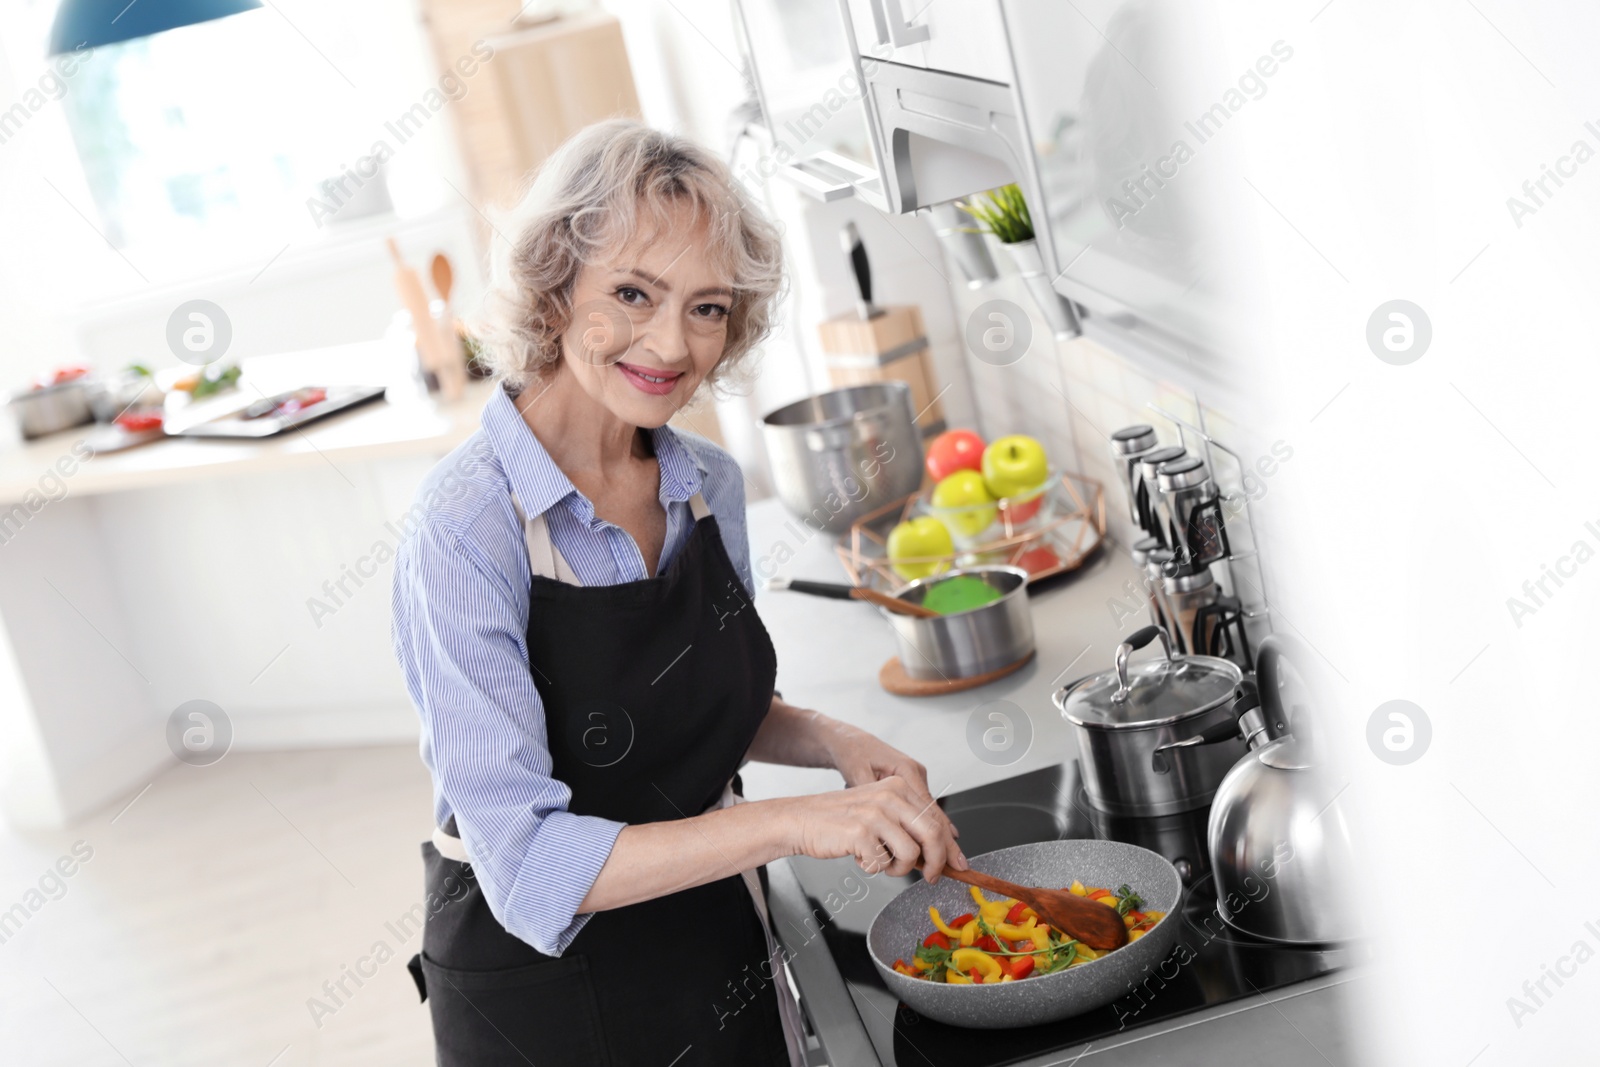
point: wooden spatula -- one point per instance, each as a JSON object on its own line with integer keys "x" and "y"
{"x": 1090, "y": 921}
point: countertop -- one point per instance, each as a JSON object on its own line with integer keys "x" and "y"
{"x": 829, "y": 653}
{"x": 383, "y": 429}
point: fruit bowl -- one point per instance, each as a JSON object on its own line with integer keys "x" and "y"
{"x": 973, "y": 526}
{"x": 1067, "y": 529}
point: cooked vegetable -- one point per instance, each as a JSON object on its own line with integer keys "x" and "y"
{"x": 1004, "y": 941}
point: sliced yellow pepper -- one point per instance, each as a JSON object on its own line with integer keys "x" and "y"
{"x": 977, "y": 895}
{"x": 1078, "y": 888}
{"x": 969, "y": 933}
{"x": 994, "y": 911}
{"x": 1012, "y": 932}
{"x": 1007, "y": 978}
{"x": 956, "y": 978}
{"x": 945, "y": 929}
{"x": 1086, "y": 953}
{"x": 1134, "y": 935}
{"x": 975, "y": 959}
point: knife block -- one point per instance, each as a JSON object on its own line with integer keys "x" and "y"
{"x": 890, "y": 346}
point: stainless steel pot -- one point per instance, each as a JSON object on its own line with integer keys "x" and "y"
{"x": 52, "y": 408}
{"x": 836, "y": 456}
{"x": 1122, "y": 716}
{"x": 966, "y": 643}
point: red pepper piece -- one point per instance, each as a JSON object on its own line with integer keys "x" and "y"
{"x": 1014, "y": 916}
{"x": 937, "y": 939}
{"x": 1021, "y": 967}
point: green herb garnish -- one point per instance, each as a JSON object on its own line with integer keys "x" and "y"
{"x": 1128, "y": 900}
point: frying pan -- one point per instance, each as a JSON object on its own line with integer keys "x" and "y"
{"x": 901, "y": 926}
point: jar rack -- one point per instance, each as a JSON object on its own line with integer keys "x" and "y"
{"x": 1237, "y": 565}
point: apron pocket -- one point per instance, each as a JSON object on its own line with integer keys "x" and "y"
{"x": 544, "y": 1013}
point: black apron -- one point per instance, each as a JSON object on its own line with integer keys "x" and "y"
{"x": 653, "y": 691}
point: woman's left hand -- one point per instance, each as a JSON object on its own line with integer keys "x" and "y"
{"x": 862, "y": 758}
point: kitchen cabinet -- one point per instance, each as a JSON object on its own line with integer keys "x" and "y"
{"x": 809, "y": 91}
{"x": 1114, "y": 117}
{"x": 1126, "y": 117}
{"x": 963, "y": 37}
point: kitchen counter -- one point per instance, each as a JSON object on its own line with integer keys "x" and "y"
{"x": 379, "y": 430}
{"x": 829, "y": 653}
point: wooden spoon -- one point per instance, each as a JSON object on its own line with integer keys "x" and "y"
{"x": 892, "y": 603}
{"x": 443, "y": 276}
{"x": 1090, "y": 921}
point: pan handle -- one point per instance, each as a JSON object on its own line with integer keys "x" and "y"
{"x": 1138, "y": 639}
{"x": 1245, "y": 701}
{"x": 836, "y": 590}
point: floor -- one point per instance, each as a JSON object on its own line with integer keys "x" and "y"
{"x": 199, "y": 922}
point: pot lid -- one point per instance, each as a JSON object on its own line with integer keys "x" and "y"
{"x": 1151, "y": 692}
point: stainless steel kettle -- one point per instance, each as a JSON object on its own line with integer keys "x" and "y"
{"x": 1280, "y": 846}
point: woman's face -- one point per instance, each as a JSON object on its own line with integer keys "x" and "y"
{"x": 649, "y": 322}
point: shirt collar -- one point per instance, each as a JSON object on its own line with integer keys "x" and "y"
{"x": 539, "y": 484}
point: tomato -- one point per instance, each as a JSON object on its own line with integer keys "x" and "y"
{"x": 1039, "y": 559}
{"x": 139, "y": 421}
{"x": 936, "y": 940}
{"x": 1014, "y": 916}
{"x": 1021, "y": 966}
{"x": 1023, "y": 946}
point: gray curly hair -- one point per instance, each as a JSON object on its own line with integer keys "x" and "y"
{"x": 595, "y": 194}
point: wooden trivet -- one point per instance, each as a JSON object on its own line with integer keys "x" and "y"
{"x": 893, "y": 677}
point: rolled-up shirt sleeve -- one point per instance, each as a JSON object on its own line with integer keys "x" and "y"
{"x": 460, "y": 635}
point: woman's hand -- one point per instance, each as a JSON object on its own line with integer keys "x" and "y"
{"x": 862, "y": 758}
{"x": 887, "y": 825}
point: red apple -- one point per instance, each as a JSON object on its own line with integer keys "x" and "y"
{"x": 1025, "y": 510}
{"x": 954, "y": 450}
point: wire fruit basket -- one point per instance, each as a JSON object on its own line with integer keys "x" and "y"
{"x": 1056, "y": 538}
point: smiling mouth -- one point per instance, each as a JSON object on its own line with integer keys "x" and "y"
{"x": 650, "y": 380}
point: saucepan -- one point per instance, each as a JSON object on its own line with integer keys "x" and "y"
{"x": 1122, "y": 716}
{"x": 903, "y": 924}
{"x": 955, "y": 644}
{"x": 838, "y": 455}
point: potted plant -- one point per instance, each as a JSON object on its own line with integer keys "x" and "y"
{"x": 1003, "y": 212}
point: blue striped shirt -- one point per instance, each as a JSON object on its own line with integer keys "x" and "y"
{"x": 460, "y": 632}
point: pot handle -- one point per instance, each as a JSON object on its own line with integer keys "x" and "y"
{"x": 1245, "y": 701}
{"x": 1136, "y": 640}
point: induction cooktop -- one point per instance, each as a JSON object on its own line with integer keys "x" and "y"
{"x": 1210, "y": 965}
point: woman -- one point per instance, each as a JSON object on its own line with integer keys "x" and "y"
{"x": 574, "y": 624}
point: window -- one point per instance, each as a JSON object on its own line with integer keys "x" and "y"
{"x": 221, "y": 143}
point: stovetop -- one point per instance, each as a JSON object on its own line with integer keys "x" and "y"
{"x": 1210, "y": 965}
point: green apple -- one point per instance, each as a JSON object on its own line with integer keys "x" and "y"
{"x": 921, "y": 536}
{"x": 1014, "y": 465}
{"x": 966, "y": 502}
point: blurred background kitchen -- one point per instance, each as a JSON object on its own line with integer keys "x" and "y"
{"x": 241, "y": 245}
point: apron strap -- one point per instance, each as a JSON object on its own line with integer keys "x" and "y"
{"x": 544, "y": 559}
{"x": 794, "y": 1034}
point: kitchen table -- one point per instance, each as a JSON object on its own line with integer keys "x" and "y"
{"x": 829, "y": 653}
